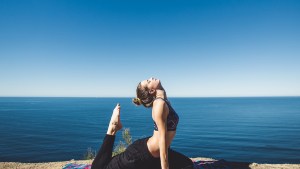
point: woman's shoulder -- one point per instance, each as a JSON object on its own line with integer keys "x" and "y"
{"x": 160, "y": 105}
{"x": 159, "y": 101}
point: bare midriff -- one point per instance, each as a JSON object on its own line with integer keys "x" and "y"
{"x": 153, "y": 142}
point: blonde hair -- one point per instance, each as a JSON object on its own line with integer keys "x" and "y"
{"x": 137, "y": 101}
{"x": 143, "y": 96}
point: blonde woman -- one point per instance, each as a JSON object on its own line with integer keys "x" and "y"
{"x": 152, "y": 152}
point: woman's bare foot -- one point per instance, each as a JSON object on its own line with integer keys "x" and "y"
{"x": 115, "y": 122}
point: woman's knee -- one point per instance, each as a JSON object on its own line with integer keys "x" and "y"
{"x": 179, "y": 160}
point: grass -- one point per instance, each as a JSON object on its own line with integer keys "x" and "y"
{"x": 119, "y": 148}
{"x": 90, "y": 154}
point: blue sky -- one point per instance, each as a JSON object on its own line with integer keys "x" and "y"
{"x": 104, "y": 48}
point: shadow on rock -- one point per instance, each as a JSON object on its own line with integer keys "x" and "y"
{"x": 221, "y": 164}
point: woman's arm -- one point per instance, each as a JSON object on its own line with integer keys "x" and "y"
{"x": 160, "y": 118}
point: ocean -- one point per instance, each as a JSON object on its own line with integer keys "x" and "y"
{"x": 246, "y": 129}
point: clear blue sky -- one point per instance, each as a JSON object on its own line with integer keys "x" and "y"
{"x": 104, "y": 48}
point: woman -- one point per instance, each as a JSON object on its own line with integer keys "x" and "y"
{"x": 152, "y": 152}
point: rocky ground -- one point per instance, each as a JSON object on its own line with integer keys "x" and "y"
{"x": 59, "y": 165}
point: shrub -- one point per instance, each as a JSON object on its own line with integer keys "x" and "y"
{"x": 90, "y": 154}
{"x": 121, "y": 147}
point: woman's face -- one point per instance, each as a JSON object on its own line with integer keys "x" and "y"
{"x": 151, "y": 83}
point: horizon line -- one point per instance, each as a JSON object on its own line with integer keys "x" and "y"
{"x": 133, "y": 97}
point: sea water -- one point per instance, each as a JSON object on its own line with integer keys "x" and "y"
{"x": 248, "y": 129}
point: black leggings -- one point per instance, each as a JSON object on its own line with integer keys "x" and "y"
{"x": 136, "y": 156}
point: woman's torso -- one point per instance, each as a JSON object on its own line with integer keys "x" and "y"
{"x": 153, "y": 142}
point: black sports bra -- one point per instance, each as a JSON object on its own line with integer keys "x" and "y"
{"x": 172, "y": 119}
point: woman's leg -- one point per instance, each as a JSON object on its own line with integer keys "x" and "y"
{"x": 136, "y": 156}
{"x": 179, "y": 161}
{"x": 104, "y": 154}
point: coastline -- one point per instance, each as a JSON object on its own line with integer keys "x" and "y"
{"x": 61, "y": 164}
